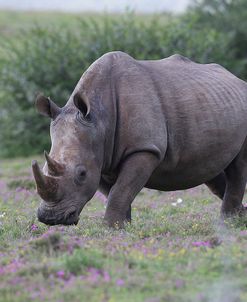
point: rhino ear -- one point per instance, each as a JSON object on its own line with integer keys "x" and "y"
{"x": 81, "y": 101}
{"x": 47, "y": 107}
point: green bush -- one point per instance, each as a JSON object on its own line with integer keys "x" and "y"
{"x": 229, "y": 19}
{"x": 51, "y": 60}
{"x": 42, "y": 60}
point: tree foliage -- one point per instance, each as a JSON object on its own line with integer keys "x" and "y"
{"x": 51, "y": 60}
{"x": 229, "y": 18}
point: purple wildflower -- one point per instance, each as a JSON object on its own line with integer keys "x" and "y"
{"x": 120, "y": 282}
{"x": 34, "y": 227}
{"x": 179, "y": 283}
{"x": 106, "y": 277}
{"x": 93, "y": 274}
{"x": 201, "y": 243}
{"x": 60, "y": 274}
{"x": 2, "y": 271}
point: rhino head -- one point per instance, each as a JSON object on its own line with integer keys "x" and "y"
{"x": 71, "y": 174}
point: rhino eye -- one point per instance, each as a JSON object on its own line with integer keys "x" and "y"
{"x": 80, "y": 174}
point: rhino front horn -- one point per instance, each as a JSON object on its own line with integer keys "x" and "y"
{"x": 46, "y": 185}
{"x": 54, "y": 167}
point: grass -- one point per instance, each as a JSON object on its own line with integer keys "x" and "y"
{"x": 171, "y": 252}
{"x": 13, "y": 22}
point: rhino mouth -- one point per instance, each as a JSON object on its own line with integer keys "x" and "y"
{"x": 53, "y": 209}
{"x": 47, "y": 216}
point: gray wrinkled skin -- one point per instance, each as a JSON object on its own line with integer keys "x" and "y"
{"x": 167, "y": 125}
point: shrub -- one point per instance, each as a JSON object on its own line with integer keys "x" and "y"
{"x": 228, "y": 18}
{"x": 51, "y": 60}
{"x": 42, "y": 61}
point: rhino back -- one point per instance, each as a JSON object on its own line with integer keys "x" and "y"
{"x": 205, "y": 108}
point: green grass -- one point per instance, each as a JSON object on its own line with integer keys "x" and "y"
{"x": 168, "y": 254}
{"x": 156, "y": 258}
{"x": 11, "y": 22}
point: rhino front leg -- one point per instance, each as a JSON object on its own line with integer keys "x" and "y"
{"x": 134, "y": 174}
{"x": 105, "y": 188}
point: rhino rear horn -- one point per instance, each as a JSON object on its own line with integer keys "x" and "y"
{"x": 46, "y": 185}
{"x": 54, "y": 167}
{"x": 47, "y": 107}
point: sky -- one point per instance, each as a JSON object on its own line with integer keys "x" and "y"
{"x": 144, "y": 6}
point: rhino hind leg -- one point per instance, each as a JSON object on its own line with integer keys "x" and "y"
{"x": 236, "y": 177}
{"x": 217, "y": 185}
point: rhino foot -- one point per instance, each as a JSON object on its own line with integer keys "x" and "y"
{"x": 239, "y": 211}
{"x": 115, "y": 224}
